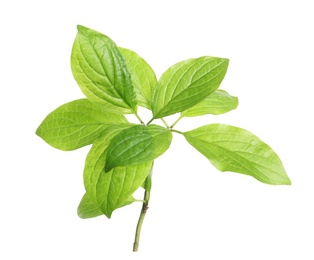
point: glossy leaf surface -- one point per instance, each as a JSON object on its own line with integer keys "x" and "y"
{"x": 76, "y": 124}
{"x": 137, "y": 144}
{"x": 143, "y": 77}
{"x": 187, "y": 83}
{"x": 113, "y": 189}
{"x": 88, "y": 209}
{"x": 101, "y": 72}
{"x": 234, "y": 149}
{"x": 217, "y": 103}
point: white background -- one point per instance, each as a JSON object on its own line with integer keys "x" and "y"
{"x": 195, "y": 211}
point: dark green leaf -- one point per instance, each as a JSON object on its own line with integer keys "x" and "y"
{"x": 76, "y": 124}
{"x": 101, "y": 72}
{"x": 137, "y": 144}
{"x": 113, "y": 189}
{"x": 143, "y": 77}
{"x": 187, "y": 83}
{"x": 216, "y": 103}
{"x": 234, "y": 149}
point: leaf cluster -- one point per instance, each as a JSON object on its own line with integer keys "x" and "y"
{"x": 115, "y": 82}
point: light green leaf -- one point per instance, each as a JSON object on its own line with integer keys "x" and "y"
{"x": 216, "y": 103}
{"x": 76, "y": 124}
{"x": 147, "y": 185}
{"x": 101, "y": 72}
{"x": 88, "y": 209}
{"x": 187, "y": 83}
{"x": 137, "y": 144}
{"x": 113, "y": 189}
{"x": 234, "y": 149}
{"x": 143, "y": 77}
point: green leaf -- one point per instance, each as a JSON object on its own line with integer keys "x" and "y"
{"x": 87, "y": 208}
{"x": 234, "y": 149}
{"x": 113, "y": 189}
{"x": 217, "y": 103}
{"x": 101, "y": 72}
{"x": 187, "y": 83}
{"x": 147, "y": 184}
{"x": 137, "y": 144}
{"x": 143, "y": 77}
{"x": 76, "y": 124}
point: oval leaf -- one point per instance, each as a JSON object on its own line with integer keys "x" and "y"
{"x": 113, "y": 189}
{"x": 234, "y": 149}
{"x": 101, "y": 72}
{"x": 143, "y": 77}
{"x": 217, "y": 103}
{"x": 187, "y": 83}
{"x": 87, "y": 208}
{"x": 76, "y": 124}
{"x": 137, "y": 144}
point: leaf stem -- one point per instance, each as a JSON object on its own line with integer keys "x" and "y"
{"x": 150, "y": 121}
{"x": 138, "y": 117}
{"x": 165, "y": 123}
{"x": 176, "y": 131}
{"x": 176, "y": 121}
{"x": 139, "y": 201}
{"x": 148, "y": 185}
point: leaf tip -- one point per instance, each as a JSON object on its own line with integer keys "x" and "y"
{"x": 236, "y": 101}
{"x": 108, "y": 214}
{"x": 226, "y": 60}
{"x": 80, "y": 215}
{"x": 287, "y": 181}
{"x": 38, "y": 131}
{"x": 283, "y": 180}
{"x": 108, "y": 167}
{"x": 80, "y": 27}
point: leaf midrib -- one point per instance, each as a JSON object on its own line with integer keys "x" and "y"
{"x": 226, "y": 151}
{"x": 131, "y": 147}
{"x": 91, "y": 67}
{"x": 110, "y": 83}
{"x": 186, "y": 89}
